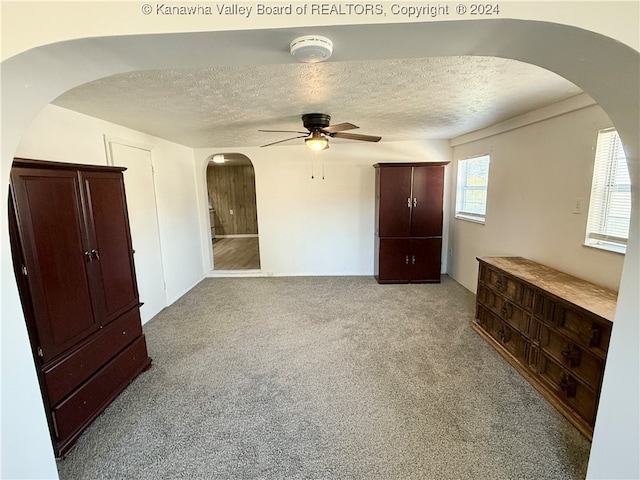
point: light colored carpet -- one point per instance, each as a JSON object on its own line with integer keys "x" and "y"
{"x": 325, "y": 378}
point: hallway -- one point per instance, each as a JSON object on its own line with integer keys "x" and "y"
{"x": 236, "y": 253}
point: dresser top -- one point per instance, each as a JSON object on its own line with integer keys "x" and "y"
{"x": 589, "y": 296}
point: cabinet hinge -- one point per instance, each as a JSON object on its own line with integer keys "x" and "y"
{"x": 40, "y": 353}
{"x": 24, "y": 270}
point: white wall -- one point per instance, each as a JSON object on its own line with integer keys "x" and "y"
{"x": 59, "y": 134}
{"x": 319, "y": 226}
{"x": 535, "y": 175}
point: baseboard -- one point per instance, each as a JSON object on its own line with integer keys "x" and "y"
{"x": 241, "y": 235}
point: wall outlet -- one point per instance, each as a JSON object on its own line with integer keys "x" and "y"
{"x": 577, "y": 206}
{"x": 230, "y": 212}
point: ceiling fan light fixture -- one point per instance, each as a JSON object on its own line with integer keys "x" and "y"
{"x": 317, "y": 142}
{"x": 311, "y": 48}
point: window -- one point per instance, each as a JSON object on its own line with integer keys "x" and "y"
{"x": 610, "y": 203}
{"x": 471, "y": 198}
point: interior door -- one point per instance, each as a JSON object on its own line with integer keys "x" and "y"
{"x": 143, "y": 220}
{"x": 394, "y": 203}
{"x": 426, "y": 215}
{"x": 50, "y": 224}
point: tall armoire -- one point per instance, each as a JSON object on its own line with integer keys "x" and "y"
{"x": 409, "y": 212}
{"x": 74, "y": 267}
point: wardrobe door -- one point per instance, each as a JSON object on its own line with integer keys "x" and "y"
{"x": 49, "y": 214}
{"x": 394, "y": 202}
{"x": 426, "y": 215}
{"x": 394, "y": 260}
{"x": 110, "y": 242}
{"x": 425, "y": 259}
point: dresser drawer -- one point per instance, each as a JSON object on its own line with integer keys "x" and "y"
{"x": 533, "y": 356}
{"x": 90, "y": 399}
{"x": 581, "y": 363}
{"x": 63, "y": 377}
{"x": 505, "y": 284}
{"x": 506, "y": 310}
{"x": 543, "y": 307}
{"x": 582, "y": 399}
{"x": 584, "y": 328}
{"x": 508, "y": 337}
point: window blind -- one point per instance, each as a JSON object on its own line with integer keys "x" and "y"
{"x": 610, "y": 203}
{"x": 473, "y": 179}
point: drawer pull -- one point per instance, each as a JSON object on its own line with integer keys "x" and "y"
{"x": 501, "y": 283}
{"x": 571, "y": 356}
{"x": 505, "y": 335}
{"x": 568, "y": 386}
{"x": 506, "y": 311}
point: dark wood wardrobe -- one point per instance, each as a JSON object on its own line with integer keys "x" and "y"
{"x": 74, "y": 266}
{"x": 409, "y": 203}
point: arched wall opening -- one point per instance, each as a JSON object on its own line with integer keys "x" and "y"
{"x": 610, "y": 77}
{"x": 232, "y": 213}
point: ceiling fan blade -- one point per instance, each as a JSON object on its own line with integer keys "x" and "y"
{"x": 283, "y": 131}
{"x": 285, "y": 140}
{"x": 357, "y": 136}
{"x": 339, "y": 127}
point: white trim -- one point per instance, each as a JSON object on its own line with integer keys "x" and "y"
{"x": 171, "y": 300}
{"x": 237, "y": 273}
{"x": 476, "y": 155}
{"x": 577, "y": 102}
{"x": 471, "y": 218}
{"x": 241, "y": 235}
{"x": 110, "y": 139}
{"x": 609, "y": 247}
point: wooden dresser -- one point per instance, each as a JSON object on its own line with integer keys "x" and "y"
{"x": 552, "y": 327}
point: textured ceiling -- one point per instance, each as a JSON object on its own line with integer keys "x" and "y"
{"x": 403, "y": 99}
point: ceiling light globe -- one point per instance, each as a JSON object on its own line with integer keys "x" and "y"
{"x": 317, "y": 144}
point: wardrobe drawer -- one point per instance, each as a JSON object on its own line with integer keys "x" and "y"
{"x": 74, "y": 369}
{"x": 90, "y": 399}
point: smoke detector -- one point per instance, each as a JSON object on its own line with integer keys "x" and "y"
{"x": 311, "y": 48}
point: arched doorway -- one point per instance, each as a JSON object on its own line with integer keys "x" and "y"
{"x": 233, "y": 216}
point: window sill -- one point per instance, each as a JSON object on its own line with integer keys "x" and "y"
{"x": 470, "y": 218}
{"x": 608, "y": 247}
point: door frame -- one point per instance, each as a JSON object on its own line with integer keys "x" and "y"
{"x": 110, "y": 140}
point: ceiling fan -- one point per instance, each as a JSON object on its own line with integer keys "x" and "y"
{"x": 319, "y": 129}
